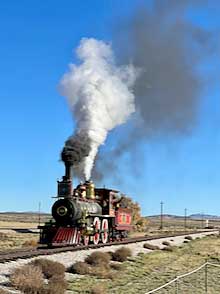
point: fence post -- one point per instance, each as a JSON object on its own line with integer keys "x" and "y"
{"x": 206, "y": 278}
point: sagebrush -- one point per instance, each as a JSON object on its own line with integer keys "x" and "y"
{"x": 28, "y": 279}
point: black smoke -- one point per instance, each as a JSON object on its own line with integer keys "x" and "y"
{"x": 76, "y": 149}
{"x": 169, "y": 49}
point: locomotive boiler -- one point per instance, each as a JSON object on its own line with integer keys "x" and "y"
{"x": 85, "y": 214}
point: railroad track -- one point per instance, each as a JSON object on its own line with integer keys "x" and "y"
{"x": 12, "y": 255}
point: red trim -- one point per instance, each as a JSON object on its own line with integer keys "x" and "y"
{"x": 123, "y": 227}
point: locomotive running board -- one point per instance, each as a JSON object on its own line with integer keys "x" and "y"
{"x": 66, "y": 236}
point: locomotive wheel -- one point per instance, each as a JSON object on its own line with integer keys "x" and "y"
{"x": 104, "y": 235}
{"x": 96, "y": 236}
{"x": 86, "y": 240}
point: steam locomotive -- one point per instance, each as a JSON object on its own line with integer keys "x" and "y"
{"x": 85, "y": 215}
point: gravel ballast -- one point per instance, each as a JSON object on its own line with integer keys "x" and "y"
{"x": 68, "y": 258}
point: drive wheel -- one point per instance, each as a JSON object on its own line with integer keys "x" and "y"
{"x": 104, "y": 234}
{"x": 96, "y": 236}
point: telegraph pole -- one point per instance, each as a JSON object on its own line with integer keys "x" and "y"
{"x": 39, "y": 213}
{"x": 161, "y": 215}
{"x": 185, "y": 217}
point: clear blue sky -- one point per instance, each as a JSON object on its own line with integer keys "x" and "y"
{"x": 37, "y": 43}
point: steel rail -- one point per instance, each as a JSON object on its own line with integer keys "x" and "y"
{"x": 12, "y": 255}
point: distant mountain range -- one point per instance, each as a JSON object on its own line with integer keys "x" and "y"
{"x": 192, "y": 216}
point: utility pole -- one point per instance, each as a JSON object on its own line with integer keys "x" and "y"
{"x": 161, "y": 215}
{"x": 39, "y": 213}
{"x": 185, "y": 217}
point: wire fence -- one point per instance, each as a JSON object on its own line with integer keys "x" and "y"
{"x": 204, "y": 279}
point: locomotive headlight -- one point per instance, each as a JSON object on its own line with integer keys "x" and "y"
{"x": 62, "y": 210}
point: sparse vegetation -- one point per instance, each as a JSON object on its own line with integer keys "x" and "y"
{"x": 168, "y": 248}
{"x": 80, "y": 267}
{"x": 151, "y": 246}
{"x": 98, "y": 289}
{"x": 166, "y": 243}
{"x": 28, "y": 279}
{"x": 152, "y": 270}
{"x": 121, "y": 254}
{"x": 30, "y": 243}
{"x": 57, "y": 285}
{"x": 98, "y": 258}
{"x": 116, "y": 266}
{"x": 49, "y": 268}
{"x": 190, "y": 238}
{"x": 3, "y": 291}
{"x": 103, "y": 272}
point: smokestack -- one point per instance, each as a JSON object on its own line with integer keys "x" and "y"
{"x": 68, "y": 162}
{"x": 68, "y": 171}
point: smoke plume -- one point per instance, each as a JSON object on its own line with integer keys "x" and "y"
{"x": 169, "y": 49}
{"x": 100, "y": 97}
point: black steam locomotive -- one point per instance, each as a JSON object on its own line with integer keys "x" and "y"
{"x": 85, "y": 215}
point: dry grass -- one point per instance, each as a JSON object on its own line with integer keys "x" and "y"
{"x": 98, "y": 289}
{"x": 30, "y": 243}
{"x": 148, "y": 271}
{"x": 28, "y": 279}
{"x": 116, "y": 266}
{"x": 103, "y": 272}
{"x": 17, "y": 219}
{"x": 151, "y": 246}
{"x": 3, "y": 291}
{"x": 56, "y": 285}
{"x": 169, "y": 248}
{"x": 121, "y": 254}
{"x": 49, "y": 268}
{"x": 98, "y": 258}
{"x": 10, "y": 239}
{"x": 80, "y": 267}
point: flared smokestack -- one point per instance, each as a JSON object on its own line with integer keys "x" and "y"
{"x": 68, "y": 171}
{"x": 68, "y": 162}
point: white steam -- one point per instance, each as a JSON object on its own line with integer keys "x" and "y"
{"x": 99, "y": 94}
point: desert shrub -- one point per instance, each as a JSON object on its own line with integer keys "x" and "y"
{"x": 98, "y": 258}
{"x": 57, "y": 285}
{"x": 81, "y": 268}
{"x": 30, "y": 243}
{"x": 190, "y": 238}
{"x": 116, "y": 266}
{"x": 168, "y": 248}
{"x": 186, "y": 241}
{"x": 121, "y": 254}
{"x": 3, "y": 236}
{"x": 102, "y": 271}
{"x": 98, "y": 289}
{"x": 3, "y": 291}
{"x": 166, "y": 243}
{"x": 110, "y": 253}
{"x": 28, "y": 279}
{"x": 150, "y": 246}
{"x": 49, "y": 268}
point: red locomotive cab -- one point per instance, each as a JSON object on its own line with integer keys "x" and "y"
{"x": 123, "y": 219}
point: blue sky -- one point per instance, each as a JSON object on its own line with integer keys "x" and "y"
{"x": 37, "y": 43}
